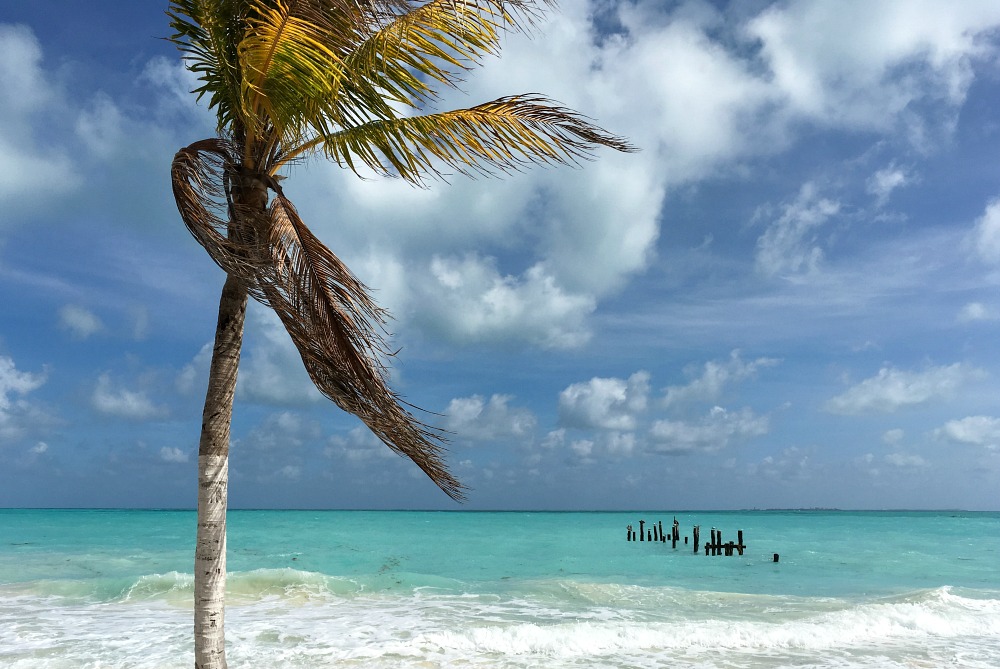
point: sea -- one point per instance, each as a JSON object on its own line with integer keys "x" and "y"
{"x": 102, "y": 589}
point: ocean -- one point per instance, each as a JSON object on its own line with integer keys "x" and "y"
{"x": 102, "y": 589}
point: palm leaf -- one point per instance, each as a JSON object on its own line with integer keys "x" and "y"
{"x": 329, "y": 314}
{"x": 208, "y": 33}
{"x": 506, "y": 135}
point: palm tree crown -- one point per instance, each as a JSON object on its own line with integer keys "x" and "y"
{"x": 351, "y": 79}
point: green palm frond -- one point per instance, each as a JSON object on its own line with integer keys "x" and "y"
{"x": 507, "y": 134}
{"x": 208, "y": 33}
{"x": 433, "y": 43}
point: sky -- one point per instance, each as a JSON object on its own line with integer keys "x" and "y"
{"x": 787, "y": 299}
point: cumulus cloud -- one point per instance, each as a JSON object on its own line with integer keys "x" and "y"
{"x": 358, "y": 446}
{"x": 870, "y": 65}
{"x": 529, "y": 258}
{"x": 976, "y": 430}
{"x": 715, "y": 376}
{"x": 173, "y": 454}
{"x": 885, "y": 181}
{"x": 905, "y": 460}
{"x": 80, "y": 322}
{"x": 986, "y": 234}
{"x": 977, "y": 311}
{"x": 16, "y": 414}
{"x": 892, "y": 389}
{"x": 605, "y": 403}
{"x": 477, "y": 419}
{"x": 112, "y": 400}
{"x": 471, "y": 300}
{"x": 790, "y": 244}
{"x": 28, "y": 165}
{"x": 271, "y": 371}
{"x": 791, "y": 464}
{"x": 712, "y": 433}
{"x": 893, "y": 436}
{"x": 280, "y": 432}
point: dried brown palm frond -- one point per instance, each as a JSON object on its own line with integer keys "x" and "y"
{"x": 329, "y": 314}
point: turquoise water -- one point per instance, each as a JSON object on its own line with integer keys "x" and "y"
{"x": 98, "y": 589}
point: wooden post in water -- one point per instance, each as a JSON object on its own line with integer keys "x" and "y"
{"x": 662, "y": 536}
{"x": 697, "y": 529}
{"x": 656, "y": 533}
{"x": 649, "y": 535}
{"x": 718, "y": 542}
{"x": 739, "y": 542}
{"x": 775, "y": 557}
{"x": 642, "y": 533}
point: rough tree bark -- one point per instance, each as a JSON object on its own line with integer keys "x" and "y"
{"x": 213, "y": 481}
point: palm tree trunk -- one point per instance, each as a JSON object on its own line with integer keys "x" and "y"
{"x": 213, "y": 481}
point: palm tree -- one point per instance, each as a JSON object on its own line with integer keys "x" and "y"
{"x": 353, "y": 80}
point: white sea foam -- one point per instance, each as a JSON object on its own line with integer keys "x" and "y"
{"x": 297, "y": 620}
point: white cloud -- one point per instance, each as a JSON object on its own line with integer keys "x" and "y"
{"x": 712, "y": 433}
{"x": 271, "y": 370}
{"x": 715, "y": 376}
{"x": 986, "y": 234}
{"x": 197, "y": 369}
{"x": 173, "y": 454}
{"x": 791, "y": 464}
{"x": 892, "y": 389}
{"x": 80, "y": 322}
{"x": 605, "y": 403}
{"x": 976, "y": 430}
{"x": 885, "y": 181}
{"x": 290, "y": 472}
{"x": 870, "y": 65}
{"x": 583, "y": 449}
{"x": 360, "y": 446}
{"x": 904, "y": 460}
{"x": 529, "y": 258}
{"x": 122, "y": 402}
{"x": 475, "y": 418}
{"x": 977, "y": 311}
{"x": 28, "y": 165}
{"x": 893, "y": 436}
{"x": 17, "y": 415}
{"x": 13, "y": 381}
{"x": 470, "y": 300}
{"x": 790, "y": 244}
{"x": 281, "y": 432}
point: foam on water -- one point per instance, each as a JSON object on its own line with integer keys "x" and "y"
{"x": 296, "y": 619}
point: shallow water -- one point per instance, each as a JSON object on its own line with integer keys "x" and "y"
{"x": 98, "y": 589}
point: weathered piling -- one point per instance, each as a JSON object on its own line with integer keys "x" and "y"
{"x": 655, "y": 532}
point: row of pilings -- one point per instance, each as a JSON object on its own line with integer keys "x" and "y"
{"x": 714, "y": 546}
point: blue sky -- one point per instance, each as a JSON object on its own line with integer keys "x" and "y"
{"x": 788, "y": 298}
